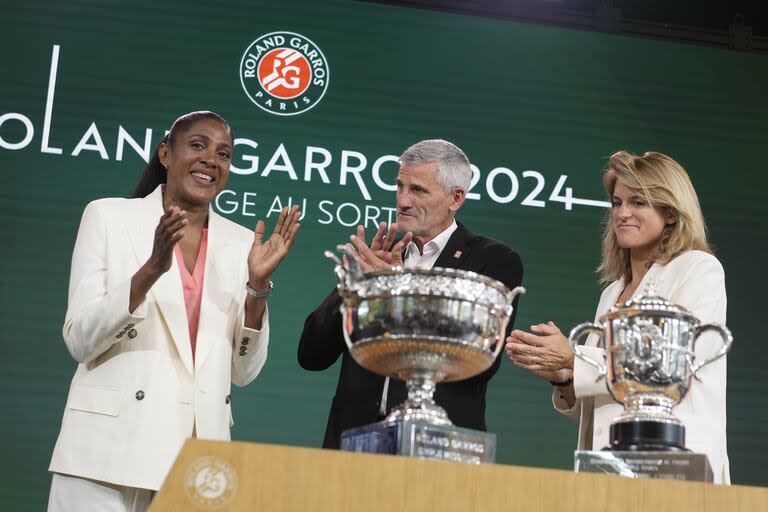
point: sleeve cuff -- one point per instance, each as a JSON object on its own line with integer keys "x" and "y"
{"x": 140, "y": 313}
{"x": 264, "y": 324}
{"x": 561, "y": 406}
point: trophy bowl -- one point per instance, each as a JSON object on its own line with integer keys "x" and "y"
{"x": 649, "y": 366}
{"x": 422, "y": 326}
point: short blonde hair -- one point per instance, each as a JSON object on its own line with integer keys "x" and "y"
{"x": 665, "y": 185}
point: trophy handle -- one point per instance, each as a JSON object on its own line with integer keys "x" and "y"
{"x": 344, "y": 325}
{"x": 339, "y": 270}
{"x": 505, "y": 311}
{"x": 518, "y": 290}
{"x": 724, "y": 333}
{"x": 347, "y": 270}
{"x": 573, "y": 339}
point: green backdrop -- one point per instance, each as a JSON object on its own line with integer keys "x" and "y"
{"x": 534, "y": 107}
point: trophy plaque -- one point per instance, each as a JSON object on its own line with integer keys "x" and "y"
{"x": 424, "y": 327}
{"x": 649, "y": 366}
{"x": 662, "y": 465}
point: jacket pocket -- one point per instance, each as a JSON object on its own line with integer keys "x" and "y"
{"x": 96, "y": 399}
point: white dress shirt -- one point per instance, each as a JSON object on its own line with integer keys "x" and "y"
{"x": 424, "y": 260}
{"x": 431, "y": 251}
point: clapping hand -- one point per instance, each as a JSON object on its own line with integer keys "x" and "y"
{"x": 266, "y": 256}
{"x": 383, "y": 253}
{"x": 169, "y": 230}
{"x": 544, "y": 352}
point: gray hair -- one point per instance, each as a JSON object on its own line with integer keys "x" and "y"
{"x": 453, "y": 170}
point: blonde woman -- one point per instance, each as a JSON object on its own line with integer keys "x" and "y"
{"x": 654, "y": 232}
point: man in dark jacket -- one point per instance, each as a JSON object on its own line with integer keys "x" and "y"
{"x": 431, "y": 187}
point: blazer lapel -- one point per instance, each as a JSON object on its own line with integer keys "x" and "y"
{"x": 456, "y": 251}
{"x": 167, "y": 291}
{"x": 650, "y": 277}
{"x": 216, "y": 294}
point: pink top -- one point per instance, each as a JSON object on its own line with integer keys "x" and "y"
{"x": 193, "y": 287}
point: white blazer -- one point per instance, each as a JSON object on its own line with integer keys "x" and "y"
{"x": 136, "y": 394}
{"x": 696, "y": 281}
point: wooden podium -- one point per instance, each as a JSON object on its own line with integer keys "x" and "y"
{"x": 230, "y": 476}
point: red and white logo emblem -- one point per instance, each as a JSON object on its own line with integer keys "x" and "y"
{"x": 284, "y": 73}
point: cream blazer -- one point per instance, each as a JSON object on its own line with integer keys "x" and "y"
{"x": 136, "y": 394}
{"x": 696, "y": 281}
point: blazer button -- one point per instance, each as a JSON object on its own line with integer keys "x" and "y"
{"x": 228, "y": 399}
{"x": 139, "y": 395}
{"x": 243, "y": 351}
{"x": 245, "y": 340}
{"x": 132, "y": 333}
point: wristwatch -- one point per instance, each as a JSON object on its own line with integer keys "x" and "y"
{"x": 259, "y": 294}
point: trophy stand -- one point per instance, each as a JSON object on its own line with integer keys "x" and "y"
{"x": 648, "y": 425}
{"x": 420, "y": 406}
{"x": 645, "y": 464}
{"x": 420, "y": 428}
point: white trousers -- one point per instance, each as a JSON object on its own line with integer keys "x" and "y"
{"x": 75, "y": 494}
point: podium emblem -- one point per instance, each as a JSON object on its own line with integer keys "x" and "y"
{"x": 210, "y": 482}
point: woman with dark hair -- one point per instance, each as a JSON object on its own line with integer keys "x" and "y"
{"x": 654, "y": 233}
{"x": 167, "y": 307}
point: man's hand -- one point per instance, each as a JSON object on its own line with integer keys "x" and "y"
{"x": 383, "y": 253}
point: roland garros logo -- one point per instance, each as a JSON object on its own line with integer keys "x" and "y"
{"x": 284, "y": 73}
{"x": 210, "y": 482}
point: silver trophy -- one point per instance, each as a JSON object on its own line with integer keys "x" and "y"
{"x": 424, "y": 327}
{"x": 649, "y": 364}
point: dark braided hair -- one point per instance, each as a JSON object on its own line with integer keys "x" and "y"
{"x": 154, "y": 173}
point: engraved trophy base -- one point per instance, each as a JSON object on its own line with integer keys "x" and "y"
{"x": 647, "y": 435}
{"x": 638, "y": 464}
{"x": 422, "y": 439}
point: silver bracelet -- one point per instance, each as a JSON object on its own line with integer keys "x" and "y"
{"x": 259, "y": 294}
